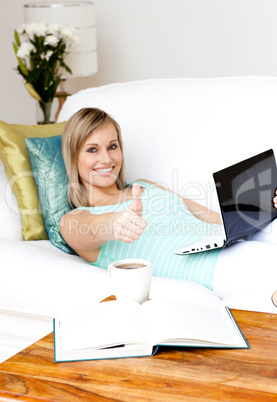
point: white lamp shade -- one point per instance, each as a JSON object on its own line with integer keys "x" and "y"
{"x": 82, "y": 58}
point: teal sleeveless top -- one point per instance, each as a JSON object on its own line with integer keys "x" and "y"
{"x": 170, "y": 225}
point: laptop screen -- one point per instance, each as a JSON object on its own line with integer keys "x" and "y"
{"x": 245, "y": 191}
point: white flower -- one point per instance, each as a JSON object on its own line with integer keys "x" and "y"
{"x": 36, "y": 29}
{"x": 53, "y": 28}
{"x": 51, "y": 40}
{"x": 31, "y": 28}
{"x": 71, "y": 34}
{"x": 21, "y": 29}
{"x": 41, "y": 29}
{"x": 47, "y": 55}
{"x": 24, "y": 50}
{"x": 75, "y": 38}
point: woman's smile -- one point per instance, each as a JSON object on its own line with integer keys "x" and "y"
{"x": 104, "y": 171}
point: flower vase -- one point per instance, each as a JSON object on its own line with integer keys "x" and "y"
{"x": 44, "y": 113}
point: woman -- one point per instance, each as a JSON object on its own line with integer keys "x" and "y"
{"x": 112, "y": 221}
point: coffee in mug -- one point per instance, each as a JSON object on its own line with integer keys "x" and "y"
{"x": 131, "y": 279}
{"x": 130, "y": 265}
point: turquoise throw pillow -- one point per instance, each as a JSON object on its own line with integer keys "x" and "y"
{"x": 52, "y": 183}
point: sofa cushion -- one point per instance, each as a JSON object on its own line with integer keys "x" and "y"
{"x": 14, "y": 155}
{"x": 10, "y": 218}
{"x": 52, "y": 183}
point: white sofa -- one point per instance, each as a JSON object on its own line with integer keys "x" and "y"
{"x": 176, "y": 132}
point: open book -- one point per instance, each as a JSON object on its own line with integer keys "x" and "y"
{"x": 127, "y": 329}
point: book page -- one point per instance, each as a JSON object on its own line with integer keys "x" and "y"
{"x": 173, "y": 320}
{"x": 181, "y": 290}
{"x": 105, "y": 324}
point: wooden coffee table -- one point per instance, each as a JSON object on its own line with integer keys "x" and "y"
{"x": 173, "y": 374}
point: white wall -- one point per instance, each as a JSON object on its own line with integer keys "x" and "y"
{"x": 142, "y": 39}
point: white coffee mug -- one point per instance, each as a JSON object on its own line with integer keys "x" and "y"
{"x": 131, "y": 279}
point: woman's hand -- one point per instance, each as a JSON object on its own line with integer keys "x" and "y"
{"x": 274, "y": 200}
{"x": 130, "y": 225}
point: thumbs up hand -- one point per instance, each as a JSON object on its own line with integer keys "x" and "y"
{"x": 137, "y": 204}
{"x": 130, "y": 225}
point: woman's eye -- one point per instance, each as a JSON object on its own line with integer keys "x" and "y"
{"x": 114, "y": 146}
{"x": 92, "y": 150}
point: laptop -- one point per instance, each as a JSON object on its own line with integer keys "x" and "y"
{"x": 245, "y": 191}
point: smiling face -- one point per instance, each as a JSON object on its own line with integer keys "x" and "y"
{"x": 100, "y": 158}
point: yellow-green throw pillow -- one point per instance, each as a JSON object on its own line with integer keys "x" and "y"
{"x": 15, "y": 157}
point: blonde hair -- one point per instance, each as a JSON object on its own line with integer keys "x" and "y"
{"x": 79, "y": 126}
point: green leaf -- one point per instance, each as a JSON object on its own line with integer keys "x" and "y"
{"x": 22, "y": 67}
{"x": 67, "y": 69}
{"x": 16, "y": 37}
{"x": 15, "y": 48}
{"x": 32, "y": 91}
